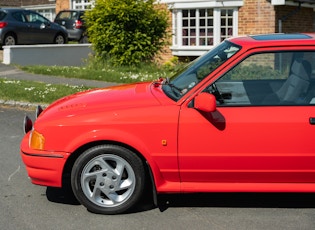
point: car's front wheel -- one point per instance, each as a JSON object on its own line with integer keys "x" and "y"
{"x": 59, "y": 39}
{"x": 108, "y": 179}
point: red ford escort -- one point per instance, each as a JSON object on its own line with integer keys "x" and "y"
{"x": 241, "y": 118}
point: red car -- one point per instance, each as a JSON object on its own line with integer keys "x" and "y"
{"x": 241, "y": 118}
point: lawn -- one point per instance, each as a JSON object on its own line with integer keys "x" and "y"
{"x": 37, "y": 92}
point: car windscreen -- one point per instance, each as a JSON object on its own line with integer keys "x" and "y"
{"x": 196, "y": 71}
{"x": 68, "y": 15}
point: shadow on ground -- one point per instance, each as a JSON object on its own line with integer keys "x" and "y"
{"x": 205, "y": 200}
{"x": 239, "y": 200}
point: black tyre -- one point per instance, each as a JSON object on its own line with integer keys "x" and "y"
{"x": 9, "y": 40}
{"x": 108, "y": 179}
{"x": 84, "y": 39}
{"x": 59, "y": 39}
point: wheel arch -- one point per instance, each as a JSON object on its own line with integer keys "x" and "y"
{"x": 8, "y": 33}
{"x": 150, "y": 176}
{"x": 65, "y": 37}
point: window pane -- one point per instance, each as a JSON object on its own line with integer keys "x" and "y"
{"x": 192, "y": 22}
{"x": 202, "y": 41}
{"x": 202, "y": 22}
{"x": 223, "y": 22}
{"x": 189, "y": 27}
{"x": 192, "y": 41}
{"x": 210, "y": 22}
{"x": 210, "y": 41}
{"x": 226, "y": 23}
{"x": 192, "y": 32}
{"x": 268, "y": 78}
{"x": 210, "y": 12}
{"x": 202, "y": 13}
{"x": 185, "y": 41}
{"x": 185, "y": 13}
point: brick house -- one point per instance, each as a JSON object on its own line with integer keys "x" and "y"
{"x": 198, "y": 25}
{"x": 44, "y": 7}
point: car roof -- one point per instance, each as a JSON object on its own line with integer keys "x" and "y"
{"x": 72, "y": 11}
{"x": 11, "y": 8}
{"x": 277, "y": 39}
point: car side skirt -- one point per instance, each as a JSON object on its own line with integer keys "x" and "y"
{"x": 247, "y": 187}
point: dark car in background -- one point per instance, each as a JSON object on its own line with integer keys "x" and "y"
{"x": 73, "y": 22}
{"x": 21, "y": 26}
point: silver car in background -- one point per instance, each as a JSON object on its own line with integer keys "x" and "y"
{"x": 20, "y": 26}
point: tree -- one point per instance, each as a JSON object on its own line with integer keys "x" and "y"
{"x": 127, "y": 32}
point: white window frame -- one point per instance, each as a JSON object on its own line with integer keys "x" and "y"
{"x": 177, "y": 7}
{"x": 179, "y": 49}
{"x": 82, "y": 4}
{"x": 48, "y": 11}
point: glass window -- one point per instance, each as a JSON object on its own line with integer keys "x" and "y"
{"x": 197, "y": 27}
{"x": 19, "y": 16}
{"x": 202, "y": 27}
{"x": 82, "y": 4}
{"x": 196, "y": 71}
{"x": 189, "y": 27}
{"x": 280, "y": 78}
{"x": 34, "y": 17}
{"x": 47, "y": 13}
{"x": 226, "y": 23}
{"x": 206, "y": 28}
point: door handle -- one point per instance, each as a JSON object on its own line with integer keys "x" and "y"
{"x": 312, "y": 120}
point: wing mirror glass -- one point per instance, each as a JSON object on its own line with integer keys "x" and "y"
{"x": 205, "y": 102}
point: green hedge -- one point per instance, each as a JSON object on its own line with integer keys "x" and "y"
{"x": 127, "y": 32}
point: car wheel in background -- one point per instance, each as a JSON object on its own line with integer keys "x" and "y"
{"x": 59, "y": 39}
{"x": 108, "y": 179}
{"x": 84, "y": 39}
{"x": 10, "y": 40}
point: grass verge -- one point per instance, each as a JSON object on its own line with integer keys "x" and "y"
{"x": 35, "y": 92}
{"x": 105, "y": 73}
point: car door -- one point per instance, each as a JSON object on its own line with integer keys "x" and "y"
{"x": 21, "y": 27}
{"x": 254, "y": 137}
{"x": 40, "y": 30}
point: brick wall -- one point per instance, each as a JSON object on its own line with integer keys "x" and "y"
{"x": 256, "y": 17}
{"x": 299, "y": 20}
{"x": 62, "y": 5}
{"x": 259, "y": 16}
{"x": 35, "y": 2}
{"x": 18, "y": 3}
{"x": 10, "y": 3}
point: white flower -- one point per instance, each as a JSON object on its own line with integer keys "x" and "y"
{"x": 29, "y": 89}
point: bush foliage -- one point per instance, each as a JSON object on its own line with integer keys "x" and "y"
{"x": 127, "y": 32}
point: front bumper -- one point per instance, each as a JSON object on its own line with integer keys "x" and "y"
{"x": 43, "y": 167}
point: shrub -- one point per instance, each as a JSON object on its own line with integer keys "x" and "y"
{"x": 127, "y": 32}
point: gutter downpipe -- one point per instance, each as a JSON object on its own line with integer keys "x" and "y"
{"x": 285, "y": 17}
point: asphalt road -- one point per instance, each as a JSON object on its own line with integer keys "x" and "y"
{"x": 26, "y": 206}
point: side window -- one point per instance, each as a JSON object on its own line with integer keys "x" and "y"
{"x": 268, "y": 79}
{"x": 35, "y": 18}
{"x": 19, "y": 17}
